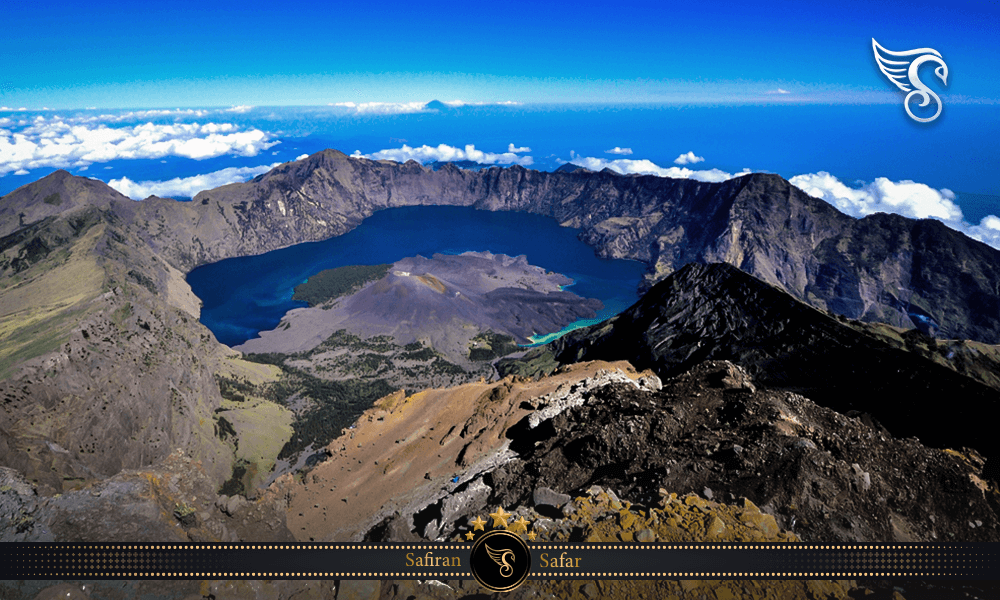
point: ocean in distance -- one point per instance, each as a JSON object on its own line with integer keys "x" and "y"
{"x": 246, "y": 295}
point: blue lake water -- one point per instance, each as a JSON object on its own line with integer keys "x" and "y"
{"x": 243, "y": 296}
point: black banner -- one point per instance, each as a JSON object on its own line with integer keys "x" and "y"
{"x": 453, "y": 561}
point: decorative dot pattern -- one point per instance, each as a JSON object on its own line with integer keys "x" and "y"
{"x": 389, "y": 561}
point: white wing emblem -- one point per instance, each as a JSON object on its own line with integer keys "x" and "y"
{"x": 902, "y": 69}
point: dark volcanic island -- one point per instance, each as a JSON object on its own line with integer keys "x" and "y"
{"x": 444, "y": 301}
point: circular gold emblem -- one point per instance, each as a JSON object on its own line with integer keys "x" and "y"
{"x": 500, "y": 561}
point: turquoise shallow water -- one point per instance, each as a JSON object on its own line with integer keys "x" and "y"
{"x": 243, "y": 296}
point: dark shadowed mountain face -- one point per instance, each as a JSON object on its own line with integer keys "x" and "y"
{"x": 879, "y": 269}
{"x": 717, "y": 312}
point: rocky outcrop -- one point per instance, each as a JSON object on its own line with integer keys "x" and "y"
{"x": 412, "y": 463}
{"x": 711, "y": 431}
{"x": 121, "y": 378}
{"x": 717, "y": 312}
{"x": 172, "y": 502}
{"x": 824, "y": 476}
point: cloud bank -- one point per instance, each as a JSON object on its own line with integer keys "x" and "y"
{"x": 906, "y": 198}
{"x": 404, "y": 108}
{"x": 688, "y": 159}
{"x": 627, "y": 166}
{"x": 446, "y": 153}
{"x": 56, "y": 142}
{"x": 186, "y": 187}
{"x": 383, "y": 108}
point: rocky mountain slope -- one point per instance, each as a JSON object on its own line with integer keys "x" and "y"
{"x": 717, "y": 312}
{"x": 104, "y": 363}
{"x": 597, "y": 452}
{"x": 710, "y": 431}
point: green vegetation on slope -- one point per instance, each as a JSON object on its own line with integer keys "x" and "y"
{"x": 256, "y": 427}
{"x": 537, "y": 362}
{"x": 490, "y": 345}
{"x": 333, "y": 283}
{"x": 48, "y": 273}
{"x": 337, "y": 404}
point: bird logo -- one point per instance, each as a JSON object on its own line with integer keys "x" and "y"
{"x": 902, "y": 69}
{"x": 500, "y": 558}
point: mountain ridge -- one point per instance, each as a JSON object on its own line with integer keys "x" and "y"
{"x": 882, "y": 268}
{"x": 717, "y": 312}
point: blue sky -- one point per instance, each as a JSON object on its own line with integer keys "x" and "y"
{"x": 786, "y": 87}
{"x": 113, "y": 55}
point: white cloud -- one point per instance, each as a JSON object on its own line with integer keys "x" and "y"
{"x": 383, "y": 108}
{"x": 20, "y": 172}
{"x": 239, "y": 109}
{"x": 138, "y": 115}
{"x": 402, "y": 108}
{"x": 301, "y": 156}
{"x": 460, "y": 103}
{"x": 628, "y": 166}
{"x": 446, "y": 153}
{"x": 779, "y": 91}
{"x": 688, "y": 159}
{"x": 617, "y": 150}
{"x": 56, "y": 142}
{"x": 515, "y": 150}
{"x": 906, "y": 198}
{"x": 988, "y": 231}
{"x": 177, "y": 112}
{"x": 187, "y": 187}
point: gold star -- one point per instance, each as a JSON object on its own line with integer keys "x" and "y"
{"x": 531, "y": 536}
{"x": 478, "y": 524}
{"x": 519, "y": 525}
{"x": 469, "y": 536}
{"x": 500, "y": 517}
